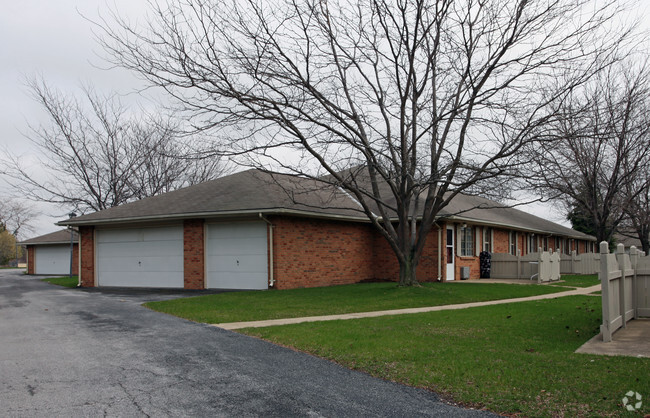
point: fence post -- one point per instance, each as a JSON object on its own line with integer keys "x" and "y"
{"x": 573, "y": 262}
{"x": 519, "y": 275}
{"x": 604, "y": 287}
{"x": 620, "y": 258}
{"x": 540, "y": 268}
{"x": 634, "y": 260}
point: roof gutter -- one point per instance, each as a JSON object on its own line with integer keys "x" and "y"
{"x": 179, "y": 216}
{"x": 271, "y": 226}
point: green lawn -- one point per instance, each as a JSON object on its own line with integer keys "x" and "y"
{"x": 511, "y": 359}
{"x": 274, "y": 304}
{"x": 63, "y": 281}
{"x": 577, "y": 280}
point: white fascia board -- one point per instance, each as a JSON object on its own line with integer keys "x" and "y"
{"x": 194, "y": 215}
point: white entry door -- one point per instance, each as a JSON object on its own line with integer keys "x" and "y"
{"x": 236, "y": 256}
{"x": 451, "y": 270}
{"x": 52, "y": 259}
{"x": 140, "y": 257}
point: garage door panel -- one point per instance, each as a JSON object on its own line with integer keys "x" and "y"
{"x": 241, "y": 263}
{"x": 238, "y": 230}
{"x": 140, "y": 257}
{"x": 142, "y": 265}
{"x": 140, "y": 235}
{"x": 236, "y": 255}
{"x": 135, "y": 279}
{"x": 139, "y": 249}
{"x": 234, "y": 247}
{"x": 52, "y": 259}
{"x": 236, "y": 280}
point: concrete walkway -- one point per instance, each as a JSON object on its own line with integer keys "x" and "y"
{"x": 633, "y": 341}
{"x": 287, "y": 321}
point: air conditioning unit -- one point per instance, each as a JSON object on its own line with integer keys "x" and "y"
{"x": 464, "y": 273}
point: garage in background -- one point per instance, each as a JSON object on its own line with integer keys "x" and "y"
{"x": 50, "y": 253}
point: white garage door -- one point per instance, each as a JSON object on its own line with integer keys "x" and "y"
{"x": 52, "y": 259}
{"x": 236, "y": 256}
{"x": 142, "y": 257}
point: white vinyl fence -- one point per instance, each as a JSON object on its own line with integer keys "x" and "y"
{"x": 507, "y": 266}
{"x": 540, "y": 266}
{"x": 587, "y": 263}
{"x": 625, "y": 283}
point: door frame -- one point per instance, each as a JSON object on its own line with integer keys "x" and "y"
{"x": 450, "y": 258}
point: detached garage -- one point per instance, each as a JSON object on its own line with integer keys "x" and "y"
{"x": 50, "y": 253}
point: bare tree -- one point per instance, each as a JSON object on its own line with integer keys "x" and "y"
{"x": 15, "y": 216}
{"x": 636, "y": 222}
{"x": 597, "y": 148}
{"x": 403, "y": 104}
{"x": 96, "y": 155}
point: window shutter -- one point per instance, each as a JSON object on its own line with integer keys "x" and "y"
{"x": 492, "y": 240}
{"x": 478, "y": 239}
{"x": 459, "y": 239}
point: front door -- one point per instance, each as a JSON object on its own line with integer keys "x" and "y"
{"x": 450, "y": 253}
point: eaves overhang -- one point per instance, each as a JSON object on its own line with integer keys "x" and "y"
{"x": 211, "y": 214}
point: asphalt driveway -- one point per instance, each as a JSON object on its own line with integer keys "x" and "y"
{"x": 69, "y": 352}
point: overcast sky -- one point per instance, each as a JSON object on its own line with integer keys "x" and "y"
{"x": 53, "y": 40}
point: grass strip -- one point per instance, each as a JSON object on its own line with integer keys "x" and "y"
{"x": 366, "y": 297}
{"x": 63, "y": 281}
{"x": 515, "y": 359}
{"x": 577, "y": 280}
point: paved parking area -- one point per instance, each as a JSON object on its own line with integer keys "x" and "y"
{"x": 69, "y": 352}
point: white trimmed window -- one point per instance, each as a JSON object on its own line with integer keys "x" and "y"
{"x": 512, "y": 242}
{"x": 466, "y": 241}
{"x": 487, "y": 239}
{"x": 532, "y": 243}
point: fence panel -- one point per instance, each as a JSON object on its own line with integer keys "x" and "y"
{"x": 610, "y": 276}
{"x": 588, "y": 263}
{"x": 504, "y": 266}
{"x": 529, "y": 266}
{"x": 623, "y": 281}
{"x": 566, "y": 263}
{"x": 642, "y": 287}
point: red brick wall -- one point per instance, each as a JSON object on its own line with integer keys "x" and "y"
{"x": 474, "y": 265}
{"x": 75, "y": 259}
{"x": 87, "y": 242}
{"x": 313, "y": 252}
{"x": 30, "y": 259}
{"x": 193, "y": 254}
{"x": 501, "y": 240}
{"x": 386, "y": 266}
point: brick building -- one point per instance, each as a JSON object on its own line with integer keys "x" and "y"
{"x": 50, "y": 253}
{"x": 254, "y": 230}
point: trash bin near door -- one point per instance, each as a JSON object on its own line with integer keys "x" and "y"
{"x": 485, "y": 259}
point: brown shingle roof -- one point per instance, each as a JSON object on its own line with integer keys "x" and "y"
{"x": 254, "y": 191}
{"x": 250, "y": 191}
{"x": 58, "y": 237}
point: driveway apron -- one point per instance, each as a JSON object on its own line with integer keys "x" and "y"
{"x": 69, "y": 352}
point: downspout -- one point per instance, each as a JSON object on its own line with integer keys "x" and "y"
{"x": 439, "y": 252}
{"x": 271, "y": 226}
{"x": 78, "y": 258}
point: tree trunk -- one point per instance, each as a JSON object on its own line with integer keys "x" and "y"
{"x": 407, "y": 270}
